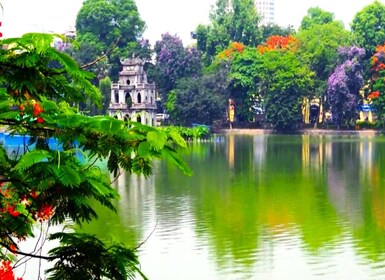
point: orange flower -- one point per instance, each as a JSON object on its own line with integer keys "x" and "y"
{"x": 374, "y": 94}
{"x": 278, "y": 42}
{"x": 37, "y": 109}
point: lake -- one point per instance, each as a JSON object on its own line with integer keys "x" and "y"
{"x": 258, "y": 207}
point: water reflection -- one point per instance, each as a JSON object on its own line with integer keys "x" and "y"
{"x": 259, "y": 207}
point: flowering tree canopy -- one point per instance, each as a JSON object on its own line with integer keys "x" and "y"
{"x": 344, "y": 85}
{"x": 173, "y": 62}
{"x": 272, "y": 77}
{"x": 278, "y": 42}
{"x": 49, "y": 185}
{"x": 377, "y": 96}
{"x": 231, "y": 50}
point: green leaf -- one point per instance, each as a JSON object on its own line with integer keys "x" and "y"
{"x": 157, "y": 139}
{"x": 31, "y": 158}
{"x": 173, "y": 156}
{"x": 101, "y": 188}
{"x": 10, "y": 115}
{"x": 144, "y": 149}
{"x": 3, "y": 158}
{"x": 177, "y": 138}
{"x": 67, "y": 176}
{"x": 111, "y": 125}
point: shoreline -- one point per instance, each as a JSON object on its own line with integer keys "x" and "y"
{"x": 247, "y": 131}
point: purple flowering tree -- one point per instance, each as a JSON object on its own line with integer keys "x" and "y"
{"x": 344, "y": 85}
{"x": 173, "y": 62}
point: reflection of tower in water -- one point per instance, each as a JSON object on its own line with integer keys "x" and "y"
{"x": 137, "y": 198}
{"x": 259, "y": 150}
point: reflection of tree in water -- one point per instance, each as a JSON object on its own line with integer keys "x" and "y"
{"x": 131, "y": 210}
{"x": 293, "y": 190}
{"x": 305, "y": 189}
{"x": 344, "y": 184}
{"x": 370, "y": 234}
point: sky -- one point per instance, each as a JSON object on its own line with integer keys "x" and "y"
{"x": 178, "y": 17}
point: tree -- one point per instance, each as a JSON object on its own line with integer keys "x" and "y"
{"x": 105, "y": 90}
{"x": 286, "y": 80}
{"x": 377, "y": 96}
{"x": 319, "y": 49}
{"x": 50, "y": 185}
{"x": 368, "y": 27}
{"x": 274, "y": 30}
{"x": 246, "y": 85}
{"x": 316, "y": 16}
{"x": 270, "y": 76}
{"x": 230, "y": 21}
{"x": 344, "y": 86}
{"x": 201, "y": 100}
{"x": 111, "y": 27}
{"x": 173, "y": 62}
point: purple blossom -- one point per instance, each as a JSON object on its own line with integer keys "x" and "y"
{"x": 344, "y": 85}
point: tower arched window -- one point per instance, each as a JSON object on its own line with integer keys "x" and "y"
{"x": 116, "y": 96}
{"x": 139, "y": 97}
{"x": 128, "y": 100}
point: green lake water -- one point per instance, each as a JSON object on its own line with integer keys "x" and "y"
{"x": 258, "y": 207}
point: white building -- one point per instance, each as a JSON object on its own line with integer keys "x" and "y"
{"x": 133, "y": 97}
{"x": 266, "y": 9}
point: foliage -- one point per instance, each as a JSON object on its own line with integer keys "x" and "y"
{"x": 377, "y": 96}
{"x": 316, "y": 16}
{"x": 105, "y": 24}
{"x": 274, "y": 29}
{"x": 344, "y": 86}
{"x": 368, "y": 27}
{"x": 50, "y": 185}
{"x": 87, "y": 51}
{"x": 270, "y": 77}
{"x": 196, "y": 100}
{"x": 319, "y": 49}
{"x": 246, "y": 84}
{"x": 230, "y": 21}
{"x": 173, "y": 62}
{"x": 105, "y": 90}
{"x": 286, "y": 80}
{"x": 188, "y": 133}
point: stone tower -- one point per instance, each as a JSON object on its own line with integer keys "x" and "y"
{"x": 133, "y": 98}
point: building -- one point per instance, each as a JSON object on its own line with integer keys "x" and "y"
{"x": 266, "y": 9}
{"x": 133, "y": 98}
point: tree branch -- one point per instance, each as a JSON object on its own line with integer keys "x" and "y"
{"x": 101, "y": 57}
{"x": 27, "y": 254}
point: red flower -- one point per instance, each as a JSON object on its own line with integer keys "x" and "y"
{"x": 34, "y": 194}
{"x": 12, "y": 212}
{"x": 40, "y": 120}
{"x": 45, "y": 212}
{"x": 6, "y": 271}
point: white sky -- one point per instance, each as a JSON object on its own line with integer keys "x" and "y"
{"x": 161, "y": 16}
